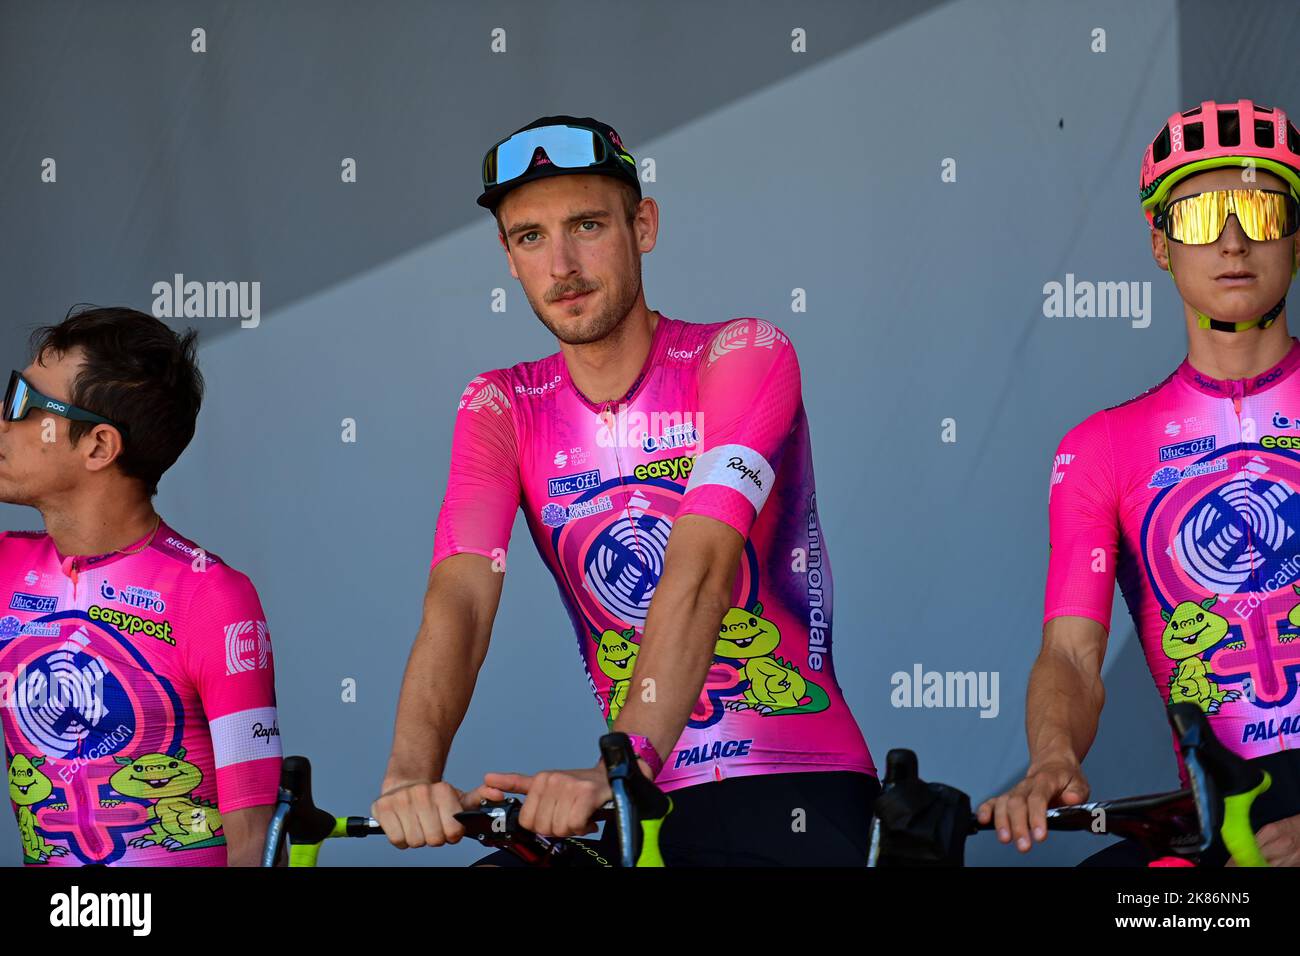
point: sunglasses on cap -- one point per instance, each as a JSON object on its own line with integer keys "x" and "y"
{"x": 21, "y": 399}
{"x": 571, "y": 147}
{"x": 1198, "y": 219}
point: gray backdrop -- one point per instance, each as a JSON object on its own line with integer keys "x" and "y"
{"x": 775, "y": 171}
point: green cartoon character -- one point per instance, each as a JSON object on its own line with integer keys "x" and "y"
{"x": 28, "y": 787}
{"x": 616, "y": 656}
{"x": 182, "y": 821}
{"x": 1190, "y": 630}
{"x": 775, "y": 685}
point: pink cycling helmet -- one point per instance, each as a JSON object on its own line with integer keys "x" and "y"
{"x": 1214, "y": 135}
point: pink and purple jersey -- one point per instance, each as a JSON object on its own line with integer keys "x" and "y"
{"x": 1190, "y": 495}
{"x": 714, "y": 425}
{"x": 137, "y": 700}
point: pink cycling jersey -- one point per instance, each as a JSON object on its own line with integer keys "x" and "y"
{"x": 138, "y": 701}
{"x": 1190, "y": 494}
{"x": 714, "y": 425}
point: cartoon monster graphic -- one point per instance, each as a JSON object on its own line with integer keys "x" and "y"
{"x": 182, "y": 821}
{"x": 616, "y": 655}
{"x": 28, "y": 786}
{"x": 1190, "y": 630}
{"x": 775, "y": 685}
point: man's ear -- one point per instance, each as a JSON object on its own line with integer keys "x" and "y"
{"x": 1160, "y": 248}
{"x": 102, "y": 446}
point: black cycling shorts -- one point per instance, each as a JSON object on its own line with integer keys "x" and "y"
{"x": 756, "y": 821}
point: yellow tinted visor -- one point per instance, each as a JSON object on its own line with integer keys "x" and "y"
{"x": 1199, "y": 219}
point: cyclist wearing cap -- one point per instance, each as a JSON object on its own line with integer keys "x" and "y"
{"x": 1189, "y": 493}
{"x": 137, "y": 696}
{"x": 665, "y": 471}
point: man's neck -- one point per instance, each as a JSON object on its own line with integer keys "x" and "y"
{"x": 90, "y": 524}
{"x": 605, "y": 370}
{"x": 1229, "y": 356}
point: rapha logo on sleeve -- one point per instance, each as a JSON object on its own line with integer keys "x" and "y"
{"x": 264, "y": 732}
{"x": 737, "y": 463}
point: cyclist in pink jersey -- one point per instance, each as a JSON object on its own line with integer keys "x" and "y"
{"x": 1187, "y": 493}
{"x": 665, "y": 472}
{"x": 137, "y": 695}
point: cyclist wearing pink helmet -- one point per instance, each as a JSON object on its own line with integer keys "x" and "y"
{"x": 1188, "y": 494}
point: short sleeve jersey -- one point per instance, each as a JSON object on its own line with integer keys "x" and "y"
{"x": 139, "y": 701}
{"x": 714, "y": 425}
{"x": 1189, "y": 494}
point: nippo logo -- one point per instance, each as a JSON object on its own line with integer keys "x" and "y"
{"x": 248, "y": 646}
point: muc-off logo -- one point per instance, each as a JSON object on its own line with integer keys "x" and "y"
{"x": 1197, "y": 446}
{"x": 132, "y": 596}
{"x": 572, "y": 484}
{"x": 248, "y": 646}
{"x": 33, "y": 603}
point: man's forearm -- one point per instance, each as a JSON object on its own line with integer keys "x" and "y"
{"x": 245, "y": 833}
{"x": 436, "y": 691}
{"x": 1063, "y": 708}
{"x": 673, "y": 661}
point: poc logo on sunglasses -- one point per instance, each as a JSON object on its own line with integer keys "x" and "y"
{"x": 56, "y": 406}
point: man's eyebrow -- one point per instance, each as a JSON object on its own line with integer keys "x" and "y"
{"x": 577, "y": 217}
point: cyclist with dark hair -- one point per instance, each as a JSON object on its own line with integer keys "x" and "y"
{"x": 139, "y": 717}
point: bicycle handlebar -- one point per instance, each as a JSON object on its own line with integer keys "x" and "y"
{"x": 638, "y": 808}
{"x": 915, "y": 820}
